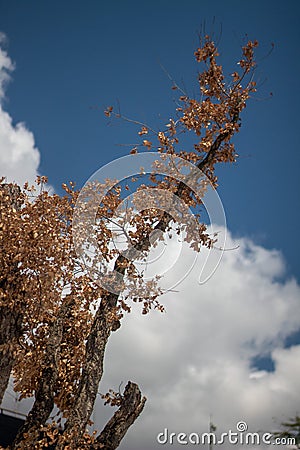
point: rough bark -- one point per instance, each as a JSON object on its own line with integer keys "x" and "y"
{"x": 10, "y": 331}
{"x": 44, "y": 396}
{"x": 131, "y": 407}
{"x": 10, "y": 319}
{"x": 92, "y": 370}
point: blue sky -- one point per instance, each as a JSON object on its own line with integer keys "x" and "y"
{"x": 72, "y": 59}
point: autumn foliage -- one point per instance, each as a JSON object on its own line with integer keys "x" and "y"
{"x": 55, "y": 319}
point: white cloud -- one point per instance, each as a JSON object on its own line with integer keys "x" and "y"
{"x": 195, "y": 360}
{"x": 19, "y": 158}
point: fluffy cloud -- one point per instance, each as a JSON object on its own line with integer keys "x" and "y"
{"x": 195, "y": 360}
{"x": 19, "y": 158}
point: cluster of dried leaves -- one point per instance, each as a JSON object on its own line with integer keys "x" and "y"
{"x": 55, "y": 319}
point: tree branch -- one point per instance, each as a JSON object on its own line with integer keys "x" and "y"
{"x": 129, "y": 410}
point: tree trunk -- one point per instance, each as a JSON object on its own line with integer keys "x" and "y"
{"x": 44, "y": 396}
{"x": 10, "y": 319}
{"x": 10, "y": 331}
{"x": 92, "y": 372}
